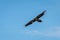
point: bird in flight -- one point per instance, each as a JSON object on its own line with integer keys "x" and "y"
{"x": 36, "y": 19}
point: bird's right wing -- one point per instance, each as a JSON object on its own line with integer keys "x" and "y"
{"x": 40, "y": 15}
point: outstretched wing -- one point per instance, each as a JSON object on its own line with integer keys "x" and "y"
{"x": 35, "y": 19}
{"x": 30, "y": 22}
{"x": 40, "y": 15}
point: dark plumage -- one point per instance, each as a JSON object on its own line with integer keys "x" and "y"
{"x": 36, "y": 18}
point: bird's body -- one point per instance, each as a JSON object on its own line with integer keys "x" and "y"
{"x": 36, "y": 18}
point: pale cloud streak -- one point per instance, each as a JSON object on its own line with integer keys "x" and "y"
{"x": 50, "y": 32}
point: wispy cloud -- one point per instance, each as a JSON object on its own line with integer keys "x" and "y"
{"x": 50, "y": 32}
{"x": 33, "y": 32}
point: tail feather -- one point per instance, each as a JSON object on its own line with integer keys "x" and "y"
{"x": 39, "y": 20}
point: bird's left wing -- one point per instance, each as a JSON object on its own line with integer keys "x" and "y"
{"x": 30, "y": 22}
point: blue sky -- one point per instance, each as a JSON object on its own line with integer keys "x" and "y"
{"x": 14, "y": 14}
